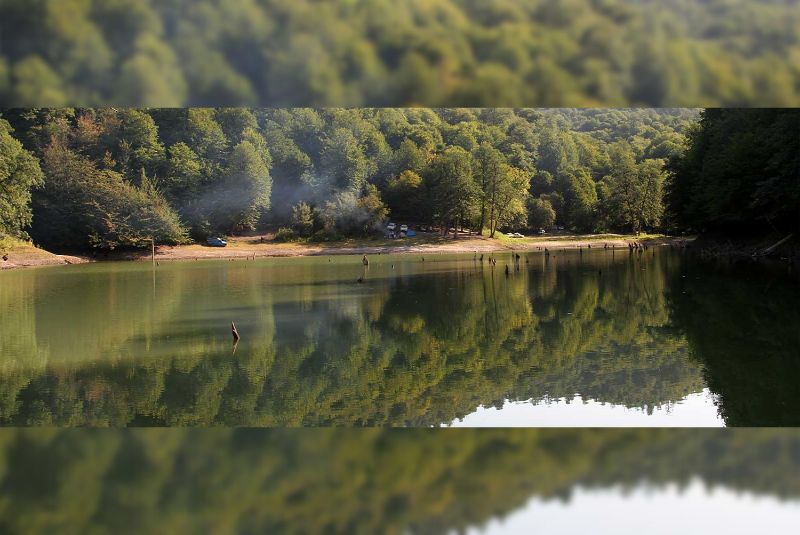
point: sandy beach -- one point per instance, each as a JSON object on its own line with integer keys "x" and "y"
{"x": 252, "y": 246}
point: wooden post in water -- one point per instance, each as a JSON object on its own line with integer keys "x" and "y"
{"x": 153, "y": 250}
{"x": 234, "y": 332}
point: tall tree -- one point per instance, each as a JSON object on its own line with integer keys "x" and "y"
{"x": 490, "y": 172}
{"x": 240, "y": 198}
{"x": 19, "y": 174}
{"x": 453, "y": 192}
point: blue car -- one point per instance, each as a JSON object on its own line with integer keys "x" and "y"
{"x": 216, "y": 242}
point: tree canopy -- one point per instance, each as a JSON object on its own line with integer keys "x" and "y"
{"x": 19, "y": 174}
{"x": 741, "y": 172}
{"x": 398, "y": 53}
{"x": 201, "y": 171}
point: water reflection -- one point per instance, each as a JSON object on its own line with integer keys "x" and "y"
{"x": 665, "y": 509}
{"x": 695, "y": 410}
{"x": 417, "y": 344}
{"x": 377, "y": 481}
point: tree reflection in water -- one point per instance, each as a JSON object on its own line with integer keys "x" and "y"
{"x": 355, "y": 481}
{"x": 419, "y": 345}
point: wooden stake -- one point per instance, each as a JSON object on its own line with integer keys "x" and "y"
{"x": 234, "y": 332}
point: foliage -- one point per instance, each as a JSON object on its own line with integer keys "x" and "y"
{"x": 376, "y": 53}
{"x": 740, "y": 172}
{"x": 286, "y": 235}
{"x": 541, "y": 214}
{"x": 82, "y": 206}
{"x": 349, "y": 214}
{"x": 302, "y": 219}
{"x": 234, "y": 169}
{"x": 19, "y": 174}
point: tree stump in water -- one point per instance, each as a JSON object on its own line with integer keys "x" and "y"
{"x": 234, "y": 332}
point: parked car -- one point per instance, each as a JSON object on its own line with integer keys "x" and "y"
{"x": 542, "y": 231}
{"x": 216, "y": 242}
{"x": 391, "y": 227}
{"x": 403, "y": 228}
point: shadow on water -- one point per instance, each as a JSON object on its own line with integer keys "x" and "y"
{"x": 423, "y": 344}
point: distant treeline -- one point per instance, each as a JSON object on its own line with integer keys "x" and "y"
{"x": 740, "y": 174}
{"x": 399, "y": 52}
{"x": 109, "y": 178}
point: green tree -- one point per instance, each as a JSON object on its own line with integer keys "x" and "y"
{"x": 303, "y": 219}
{"x": 541, "y": 214}
{"x": 343, "y": 164}
{"x": 452, "y": 189}
{"x": 580, "y": 199}
{"x": 739, "y": 173}
{"x": 635, "y": 194}
{"x": 243, "y": 194}
{"x": 81, "y": 206}
{"x": 490, "y": 173}
{"x": 19, "y": 175}
{"x": 405, "y": 195}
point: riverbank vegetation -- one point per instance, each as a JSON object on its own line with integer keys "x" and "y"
{"x": 110, "y": 179}
{"x": 381, "y": 53}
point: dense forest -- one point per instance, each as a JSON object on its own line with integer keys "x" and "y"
{"x": 398, "y": 53}
{"x": 740, "y": 174}
{"x": 114, "y": 178}
{"x": 354, "y": 481}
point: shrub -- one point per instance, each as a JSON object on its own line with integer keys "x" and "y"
{"x": 285, "y": 235}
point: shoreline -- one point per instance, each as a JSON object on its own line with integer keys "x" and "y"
{"x": 249, "y": 247}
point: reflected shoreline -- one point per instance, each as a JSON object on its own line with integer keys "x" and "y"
{"x": 417, "y": 344}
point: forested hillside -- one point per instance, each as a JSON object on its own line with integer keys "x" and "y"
{"x": 111, "y": 178}
{"x": 399, "y": 52}
{"x": 741, "y": 173}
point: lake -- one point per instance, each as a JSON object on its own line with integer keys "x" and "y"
{"x": 415, "y": 481}
{"x": 598, "y": 338}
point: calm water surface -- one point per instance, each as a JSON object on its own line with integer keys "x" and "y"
{"x": 693, "y": 508}
{"x": 593, "y": 339}
{"x": 414, "y": 481}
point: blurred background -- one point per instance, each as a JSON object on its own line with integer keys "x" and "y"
{"x": 397, "y": 481}
{"x": 399, "y": 52}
